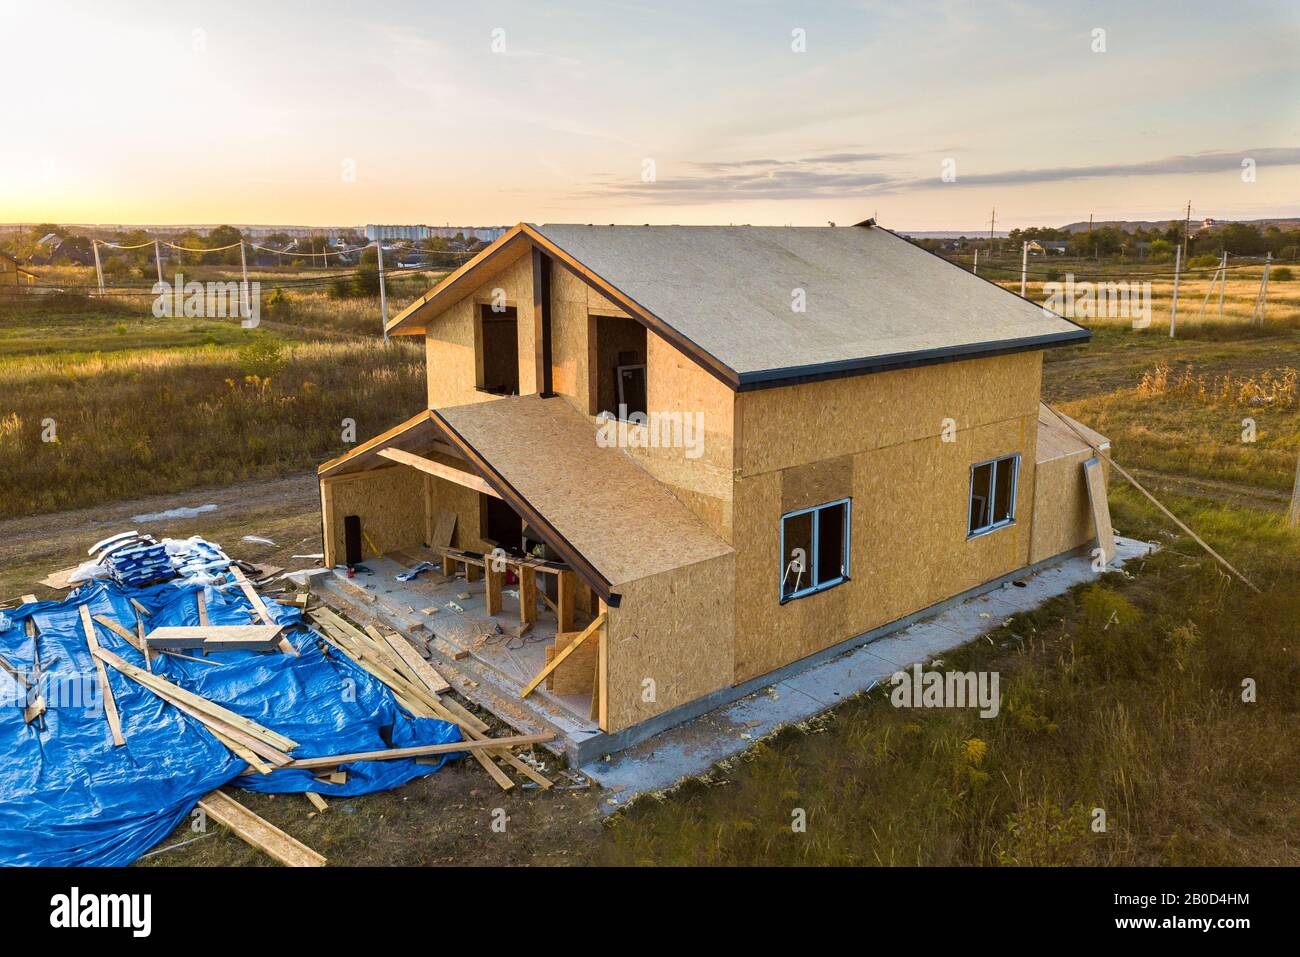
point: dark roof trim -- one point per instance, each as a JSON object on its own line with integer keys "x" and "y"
{"x": 818, "y": 372}
{"x": 574, "y": 558}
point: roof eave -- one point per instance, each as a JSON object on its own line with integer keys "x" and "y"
{"x": 795, "y": 375}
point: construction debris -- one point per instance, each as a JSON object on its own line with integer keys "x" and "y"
{"x": 194, "y": 724}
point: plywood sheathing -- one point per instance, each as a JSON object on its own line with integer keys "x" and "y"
{"x": 449, "y": 336}
{"x": 628, "y": 525}
{"x": 869, "y": 293}
{"x": 390, "y": 502}
{"x": 910, "y": 492}
{"x": 673, "y": 630}
{"x": 1062, "y": 517}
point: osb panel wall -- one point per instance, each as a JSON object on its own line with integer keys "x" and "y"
{"x": 569, "y": 347}
{"x": 1062, "y": 516}
{"x": 675, "y": 628}
{"x": 674, "y": 384}
{"x": 814, "y": 421}
{"x": 449, "y": 339}
{"x": 461, "y": 501}
{"x": 390, "y": 503}
{"x": 909, "y": 524}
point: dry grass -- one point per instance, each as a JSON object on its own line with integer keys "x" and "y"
{"x": 138, "y": 422}
{"x": 1124, "y": 696}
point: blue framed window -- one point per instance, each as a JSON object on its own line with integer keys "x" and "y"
{"x": 993, "y": 494}
{"x": 815, "y": 548}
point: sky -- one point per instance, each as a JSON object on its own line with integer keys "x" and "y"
{"x": 926, "y": 115}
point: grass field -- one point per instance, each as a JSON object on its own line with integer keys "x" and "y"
{"x": 1123, "y": 696}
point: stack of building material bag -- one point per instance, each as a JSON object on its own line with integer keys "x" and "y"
{"x": 137, "y": 562}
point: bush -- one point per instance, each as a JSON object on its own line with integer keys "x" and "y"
{"x": 263, "y": 357}
{"x": 1282, "y": 274}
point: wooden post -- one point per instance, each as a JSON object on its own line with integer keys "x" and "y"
{"x": 383, "y": 293}
{"x": 975, "y": 269}
{"x": 1173, "y": 313}
{"x": 495, "y": 579}
{"x": 527, "y": 595}
{"x": 157, "y": 259}
{"x": 542, "y": 322}
{"x": 566, "y": 587}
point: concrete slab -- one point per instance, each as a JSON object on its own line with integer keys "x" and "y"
{"x": 690, "y": 749}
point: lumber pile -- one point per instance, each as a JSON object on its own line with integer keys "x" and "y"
{"x": 419, "y": 688}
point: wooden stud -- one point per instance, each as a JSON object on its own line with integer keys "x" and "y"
{"x": 419, "y": 751}
{"x": 317, "y": 801}
{"x": 259, "y": 606}
{"x": 110, "y": 703}
{"x": 492, "y": 594}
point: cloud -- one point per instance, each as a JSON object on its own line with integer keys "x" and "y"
{"x": 861, "y": 173}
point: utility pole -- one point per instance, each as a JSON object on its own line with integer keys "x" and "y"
{"x": 157, "y": 258}
{"x": 1187, "y": 227}
{"x": 975, "y": 270}
{"x": 1261, "y": 300}
{"x": 243, "y": 265}
{"x": 1173, "y": 313}
{"x": 99, "y": 269}
{"x": 1024, "y": 267}
{"x": 1223, "y": 266}
{"x": 383, "y": 294}
{"x": 1293, "y": 516}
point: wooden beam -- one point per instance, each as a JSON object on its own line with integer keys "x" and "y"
{"x": 554, "y": 662}
{"x": 420, "y": 751}
{"x": 456, "y": 476}
{"x": 259, "y": 606}
{"x": 118, "y": 630}
{"x": 261, "y": 834}
{"x": 110, "y": 703}
{"x": 215, "y": 637}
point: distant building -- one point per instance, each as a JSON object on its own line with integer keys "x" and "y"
{"x": 12, "y": 275}
{"x": 1041, "y": 246}
{"x": 381, "y": 231}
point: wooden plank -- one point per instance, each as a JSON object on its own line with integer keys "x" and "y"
{"x": 118, "y": 630}
{"x": 422, "y": 750}
{"x": 1095, "y": 479}
{"x": 317, "y": 801}
{"x": 29, "y": 600}
{"x": 140, "y": 609}
{"x": 234, "y": 738}
{"x": 258, "y": 832}
{"x": 203, "y": 607}
{"x": 438, "y": 470}
{"x": 423, "y": 670}
{"x": 259, "y": 606}
{"x": 444, "y": 527}
{"x": 215, "y": 637}
{"x": 602, "y": 679}
{"x": 110, "y": 703}
{"x": 560, "y": 656}
{"x": 495, "y": 581}
{"x": 165, "y": 688}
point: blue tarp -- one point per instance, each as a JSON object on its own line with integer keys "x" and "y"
{"x": 69, "y": 797}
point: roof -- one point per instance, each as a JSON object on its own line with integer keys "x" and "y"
{"x": 729, "y": 297}
{"x": 537, "y": 454}
{"x": 1056, "y": 440}
{"x": 625, "y": 522}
